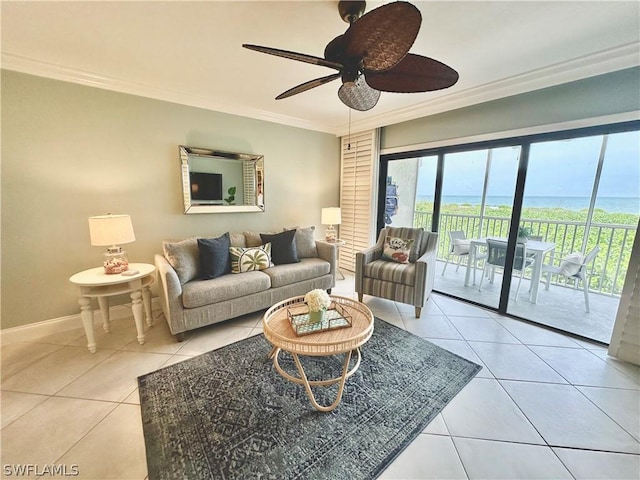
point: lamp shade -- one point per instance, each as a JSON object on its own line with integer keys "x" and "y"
{"x": 331, "y": 216}
{"x": 108, "y": 230}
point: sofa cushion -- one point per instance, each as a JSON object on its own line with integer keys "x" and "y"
{"x": 291, "y": 273}
{"x": 571, "y": 264}
{"x": 227, "y": 287}
{"x": 214, "y": 256}
{"x": 238, "y": 240}
{"x": 461, "y": 246}
{"x": 404, "y": 273}
{"x": 283, "y": 247}
{"x": 184, "y": 257}
{"x": 305, "y": 241}
{"x": 253, "y": 239}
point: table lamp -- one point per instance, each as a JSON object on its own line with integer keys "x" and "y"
{"x": 110, "y": 231}
{"x": 331, "y": 216}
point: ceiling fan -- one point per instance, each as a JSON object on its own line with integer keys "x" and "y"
{"x": 372, "y": 56}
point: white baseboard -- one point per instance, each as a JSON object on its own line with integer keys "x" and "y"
{"x": 34, "y": 331}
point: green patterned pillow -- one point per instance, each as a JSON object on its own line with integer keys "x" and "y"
{"x": 250, "y": 259}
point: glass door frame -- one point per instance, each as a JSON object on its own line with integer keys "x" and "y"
{"x": 524, "y": 142}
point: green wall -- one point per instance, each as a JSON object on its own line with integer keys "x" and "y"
{"x": 609, "y": 94}
{"x": 70, "y": 152}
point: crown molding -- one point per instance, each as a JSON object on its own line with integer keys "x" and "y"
{"x": 603, "y": 62}
{"x": 58, "y": 72}
{"x": 619, "y": 58}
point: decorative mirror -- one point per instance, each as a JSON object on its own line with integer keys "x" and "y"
{"x": 214, "y": 181}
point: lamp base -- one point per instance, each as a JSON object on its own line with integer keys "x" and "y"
{"x": 115, "y": 260}
{"x": 331, "y": 234}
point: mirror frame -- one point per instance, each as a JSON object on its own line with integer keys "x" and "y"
{"x": 258, "y": 168}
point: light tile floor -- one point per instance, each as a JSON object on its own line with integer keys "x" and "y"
{"x": 544, "y": 406}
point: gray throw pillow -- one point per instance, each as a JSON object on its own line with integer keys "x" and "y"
{"x": 237, "y": 240}
{"x": 305, "y": 241}
{"x": 183, "y": 256}
{"x": 252, "y": 239}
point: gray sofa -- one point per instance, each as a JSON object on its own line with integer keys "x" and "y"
{"x": 189, "y": 302}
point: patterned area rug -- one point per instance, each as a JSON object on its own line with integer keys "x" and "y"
{"x": 228, "y": 414}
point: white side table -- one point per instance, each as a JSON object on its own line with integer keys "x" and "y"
{"x": 339, "y": 243}
{"x": 95, "y": 283}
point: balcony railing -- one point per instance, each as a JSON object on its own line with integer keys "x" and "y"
{"x": 608, "y": 270}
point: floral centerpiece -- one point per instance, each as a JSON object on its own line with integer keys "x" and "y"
{"x": 318, "y": 302}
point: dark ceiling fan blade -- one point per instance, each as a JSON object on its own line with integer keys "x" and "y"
{"x": 303, "y": 87}
{"x": 300, "y": 57}
{"x": 358, "y": 95}
{"x": 382, "y": 37}
{"x": 414, "y": 73}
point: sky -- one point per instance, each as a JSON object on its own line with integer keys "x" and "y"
{"x": 558, "y": 168}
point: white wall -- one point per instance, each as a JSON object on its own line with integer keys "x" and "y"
{"x": 70, "y": 152}
{"x": 609, "y": 94}
{"x": 405, "y": 174}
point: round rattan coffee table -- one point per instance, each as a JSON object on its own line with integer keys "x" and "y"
{"x": 280, "y": 332}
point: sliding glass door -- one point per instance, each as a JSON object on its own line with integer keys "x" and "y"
{"x": 410, "y": 186}
{"x": 477, "y": 202}
{"x": 581, "y": 205}
{"x": 563, "y": 209}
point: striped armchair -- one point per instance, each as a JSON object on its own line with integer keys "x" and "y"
{"x": 409, "y": 283}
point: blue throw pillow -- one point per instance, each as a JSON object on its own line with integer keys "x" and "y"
{"x": 215, "y": 260}
{"x": 283, "y": 247}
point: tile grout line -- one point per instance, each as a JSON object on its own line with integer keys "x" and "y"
{"x": 626, "y": 374}
{"x": 103, "y": 419}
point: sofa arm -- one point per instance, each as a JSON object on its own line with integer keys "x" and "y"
{"x": 425, "y": 271}
{"x": 329, "y": 252}
{"x": 369, "y": 255}
{"x": 362, "y": 258}
{"x": 170, "y": 294}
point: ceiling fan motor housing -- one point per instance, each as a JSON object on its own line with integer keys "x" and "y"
{"x": 351, "y": 10}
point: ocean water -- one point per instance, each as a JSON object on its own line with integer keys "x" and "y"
{"x": 609, "y": 204}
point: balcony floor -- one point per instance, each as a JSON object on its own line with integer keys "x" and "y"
{"x": 559, "y": 307}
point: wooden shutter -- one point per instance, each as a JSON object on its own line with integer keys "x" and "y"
{"x": 358, "y": 194}
{"x": 625, "y": 341}
{"x": 249, "y": 182}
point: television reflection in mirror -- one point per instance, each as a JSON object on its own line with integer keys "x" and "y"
{"x": 206, "y": 188}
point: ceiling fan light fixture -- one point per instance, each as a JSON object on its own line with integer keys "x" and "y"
{"x": 358, "y": 95}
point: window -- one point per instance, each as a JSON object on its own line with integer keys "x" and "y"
{"x": 574, "y": 191}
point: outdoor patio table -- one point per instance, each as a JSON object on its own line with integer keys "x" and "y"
{"x": 539, "y": 248}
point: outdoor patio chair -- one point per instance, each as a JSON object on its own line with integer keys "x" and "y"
{"x": 497, "y": 256}
{"x": 573, "y": 267}
{"x": 411, "y": 282}
{"x": 459, "y": 246}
